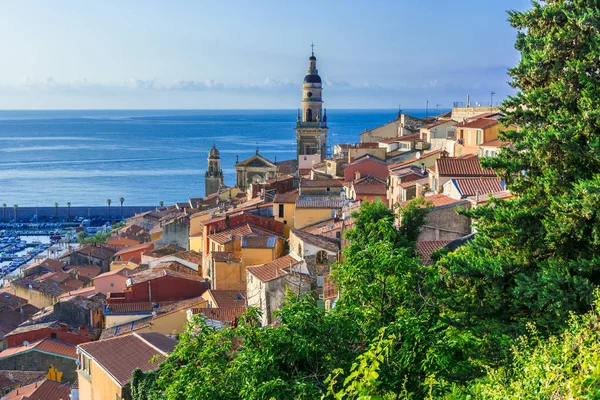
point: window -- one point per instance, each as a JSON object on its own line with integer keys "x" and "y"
{"x": 320, "y": 281}
{"x": 478, "y": 138}
{"x": 112, "y": 285}
{"x": 299, "y": 249}
{"x": 338, "y": 235}
{"x": 328, "y": 189}
{"x": 281, "y": 207}
{"x": 322, "y": 257}
{"x": 53, "y": 335}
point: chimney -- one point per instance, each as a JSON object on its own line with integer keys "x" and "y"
{"x": 83, "y": 331}
{"x": 63, "y": 327}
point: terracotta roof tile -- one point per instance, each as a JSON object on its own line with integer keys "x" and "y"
{"x": 472, "y": 186}
{"x": 100, "y": 252}
{"x": 274, "y": 269}
{"x": 46, "y": 345}
{"x": 459, "y": 167}
{"x": 119, "y": 356}
{"x": 125, "y": 308}
{"x": 10, "y": 377}
{"x": 426, "y": 247}
{"x": 259, "y": 242}
{"x": 481, "y": 123}
{"x": 43, "y": 390}
{"x": 287, "y": 197}
{"x": 227, "y": 298}
{"x": 496, "y": 143}
{"x": 158, "y": 273}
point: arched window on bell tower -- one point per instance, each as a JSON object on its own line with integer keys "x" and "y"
{"x": 308, "y": 115}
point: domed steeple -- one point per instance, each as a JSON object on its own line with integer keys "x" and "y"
{"x": 213, "y": 178}
{"x": 214, "y": 153}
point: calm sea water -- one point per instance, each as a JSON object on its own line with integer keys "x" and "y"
{"x": 86, "y": 157}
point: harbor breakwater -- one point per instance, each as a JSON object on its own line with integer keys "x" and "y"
{"x": 62, "y": 213}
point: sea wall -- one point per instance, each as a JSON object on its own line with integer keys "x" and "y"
{"x": 27, "y": 213}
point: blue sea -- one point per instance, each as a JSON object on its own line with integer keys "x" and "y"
{"x": 87, "y": 156}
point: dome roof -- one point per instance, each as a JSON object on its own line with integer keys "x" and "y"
{"x": 312, "y": 79}
{"x": 312, "y": 58}
{"x": 214, "y": 153}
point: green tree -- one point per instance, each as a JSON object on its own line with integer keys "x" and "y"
{"x": 109, "y": 202}
{"x": 535, "y": 257}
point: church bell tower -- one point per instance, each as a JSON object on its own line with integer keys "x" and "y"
{"x": 214, "y": 175}
{"x": 311, "y": 126}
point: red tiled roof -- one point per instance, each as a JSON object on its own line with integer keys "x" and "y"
{"x": 306, "y": 183}
{"x": 119, "y": 356}
{"x": 505, "y": 194}
{"x": 462, "y": 167}
{"x": 227, "y": 315}
{"x": 274, "y": 269}
{"x": 473, "y": 186}
{"x": 189, "y": 255}
{"x": 123, "y": 272}
{"x": 139, "y": 247}
{"x": 287, "y": 197}
{"x": 426, "y": 247}
{"x": 8, "y": 378}
{"x": 48, "y": 264}
{"x": 367, "y": 157}
{"x": 436, "y": 123}
{"x": 100, "y": 252}
{"x": 46, "y": 345}
{"x": 415, "y": 137}
{"x": 239, "y": 231}
{"x": 370, "y": 185}
{"x": 141, "y": 307}
{"x": 481, "y": 123}
{"x": 44, "y": 390}
{"x": 227, "y": 298}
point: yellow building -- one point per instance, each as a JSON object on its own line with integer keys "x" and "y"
{"x": 313, "y": 209}
{"x": 105, "y": 366}
{"x": 284, "y": 208}
{"x": 225, "y": 271}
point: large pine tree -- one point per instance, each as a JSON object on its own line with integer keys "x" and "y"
{"x": 536, "y": 257}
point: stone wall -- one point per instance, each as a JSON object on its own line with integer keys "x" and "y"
{"x": 36, "y": 361}
{"x": 444, "y": 223}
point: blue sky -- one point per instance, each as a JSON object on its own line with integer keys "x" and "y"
{"x": 252, "y": 54}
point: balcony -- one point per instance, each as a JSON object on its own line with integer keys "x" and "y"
{"x": 312, "y": 124}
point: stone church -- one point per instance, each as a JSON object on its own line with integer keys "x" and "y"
{"x": 311, "y": 141}
{"x": 255, "y": 169}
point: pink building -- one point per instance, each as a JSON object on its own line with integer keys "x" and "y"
{"x": 113, "y": 281}
{"x": 366, "y": 165}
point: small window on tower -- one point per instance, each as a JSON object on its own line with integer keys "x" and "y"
{"x": 309, "y": 94}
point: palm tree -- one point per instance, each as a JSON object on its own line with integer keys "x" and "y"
{"x": 69, "y": 210}
{"x": 56, "y": 211}
{"x": 161, "y": 203}
{"x": 108, "y": 201}
{"x": 122, "y": 200}
{"x": 4, "y": 211}
{"x": 16, "y": 208}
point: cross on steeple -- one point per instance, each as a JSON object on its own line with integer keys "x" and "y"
{"x": 312, "y": 48}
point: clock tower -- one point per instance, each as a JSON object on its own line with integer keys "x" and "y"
{"x": 311, "y": 125}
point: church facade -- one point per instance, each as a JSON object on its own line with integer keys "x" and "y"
{"x": 213, "y": 178}
{"x": 311, "y": 124}
{"x": 256, "y": 169}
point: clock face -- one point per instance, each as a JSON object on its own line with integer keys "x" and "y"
{"x": 309, "y": 94}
